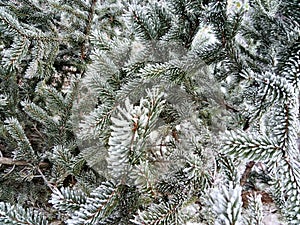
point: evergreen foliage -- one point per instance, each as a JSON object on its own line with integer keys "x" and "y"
{"x": 149, "y": 112}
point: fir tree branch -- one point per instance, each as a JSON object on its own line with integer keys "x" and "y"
{"x": 16, "y": 214}
{"x": 87, "y": 30}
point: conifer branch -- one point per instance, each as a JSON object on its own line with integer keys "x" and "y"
{"x": 87, "y": 30}
{"x": 177, "y": 96}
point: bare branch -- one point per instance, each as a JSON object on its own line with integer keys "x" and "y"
{"x": 11, "y": 162}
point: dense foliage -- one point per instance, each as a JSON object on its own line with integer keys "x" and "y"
{"x": 149, "y": 112}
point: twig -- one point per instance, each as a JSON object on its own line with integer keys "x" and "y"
{"x": 38, "y": 132}
{"x": 246, "y": 173}
{"x": 12, "y": 162}
{"x": 9, "y": 172}
{"x": 45, "y": 179}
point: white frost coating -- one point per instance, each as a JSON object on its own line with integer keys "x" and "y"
{"x": 271, "y": 219}
{"x": 205, "y": 36}
{"x": 234, "y": 6}
{"x": 226, "y": 204}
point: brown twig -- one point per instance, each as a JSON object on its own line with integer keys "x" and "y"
{"x": 246, "y": 173}
{"x": 12, "y": 162}
{"x": 266, "y": 198}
